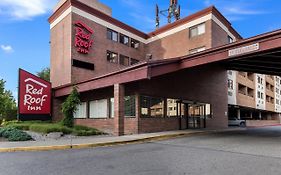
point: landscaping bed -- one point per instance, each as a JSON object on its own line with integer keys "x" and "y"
{"x": 44, "y": 128}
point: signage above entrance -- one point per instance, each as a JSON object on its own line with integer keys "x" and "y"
{"x": 83, "y": 34}
{"x": 244, "y": 49}
{"x": 34, "y": 96}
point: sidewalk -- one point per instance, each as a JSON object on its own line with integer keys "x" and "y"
{"x": 96, "y": 141}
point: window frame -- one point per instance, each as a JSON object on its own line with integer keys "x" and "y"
{"x": 109, "y": 60}
{"x": 109, "y": 35}
{"x": 99, "y": 117}
{"x": 122, "y": 62}
{"x": 196, "y": 28}
{"x": 122, "y": 37}
{"x": 78, "y": 109}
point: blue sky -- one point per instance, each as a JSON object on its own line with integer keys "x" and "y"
{"x": 24, "y": 30}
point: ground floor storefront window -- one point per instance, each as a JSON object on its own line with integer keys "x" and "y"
{"x": 152, "y": 106}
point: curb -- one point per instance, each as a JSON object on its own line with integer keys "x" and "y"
{"x": 104, "y": 144}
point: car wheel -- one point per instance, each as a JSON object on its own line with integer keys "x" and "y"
{"x": 242, "y": 124}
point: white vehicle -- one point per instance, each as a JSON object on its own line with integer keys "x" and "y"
{"x": 236, "y": 122}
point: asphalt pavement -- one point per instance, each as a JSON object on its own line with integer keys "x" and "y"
{"x": 252, "y": 151}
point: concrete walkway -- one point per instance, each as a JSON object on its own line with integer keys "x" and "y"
{"x": 96, "y": 141}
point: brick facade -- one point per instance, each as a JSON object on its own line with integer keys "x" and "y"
{"x": 204, "y": 84}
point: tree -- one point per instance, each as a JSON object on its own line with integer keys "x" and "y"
{"x": 69, "y": 107}
{"x": 44, "y": 74}
{"x": 8, "y": 106}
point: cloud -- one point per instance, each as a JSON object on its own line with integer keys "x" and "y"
{"x": 236, "y": 10}
{"x": 7, "y": 48}
{"x": 25, "y": 9}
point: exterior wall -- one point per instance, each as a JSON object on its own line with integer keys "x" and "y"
{"x": 260, "y": 87}
{"x": 179, "y": 44}
{"x": 219, "y": 36}
{"x": 210, "y": 83}
{"x": 270, "y": 104}
{"x": 232, "y": 88}
{"x": 277, "y": 94}
{"x": 97, "y": 54}
{"x": 61, "y": 52}
{"x": 244, "y": 97}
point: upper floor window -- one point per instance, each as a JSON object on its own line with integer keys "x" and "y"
{"x": 200, "y": 49}
{"x": 112, "y": 57}
{"x": 230, "y": 40}
{"x": 124, "y": 39}
{"x": 197, "y": 30}
{"x": 134, "y": 61}
{"x": 112, "y": 35}
{"x": 230, "y": 84}
{"x": 124, "y": 60}
{"x": 134, "y": 43}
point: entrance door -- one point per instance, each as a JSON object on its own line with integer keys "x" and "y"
{"x": 194, "y": 114}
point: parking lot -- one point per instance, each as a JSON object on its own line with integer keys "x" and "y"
{"x": 250, "y": 151}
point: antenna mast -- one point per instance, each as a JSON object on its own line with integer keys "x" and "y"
{"x": 172, "y": 12}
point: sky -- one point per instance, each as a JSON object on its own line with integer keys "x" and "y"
{"x": 25, "y": 31}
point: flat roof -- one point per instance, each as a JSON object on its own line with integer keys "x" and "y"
{"x": 137, "y": 32}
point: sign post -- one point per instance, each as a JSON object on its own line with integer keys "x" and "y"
{"x": 34, "y": 97}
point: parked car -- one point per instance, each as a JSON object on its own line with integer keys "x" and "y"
{"x": 236, "y": 122}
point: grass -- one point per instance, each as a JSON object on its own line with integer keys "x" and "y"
{"x": 48, "y": 127}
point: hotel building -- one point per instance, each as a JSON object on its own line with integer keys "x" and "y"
{"x": 172, "y": 78}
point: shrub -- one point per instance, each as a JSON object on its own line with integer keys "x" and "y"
{"x": 48, "y": 128}
{"x": 85, "y": 131}
{"x": 69, "y": 107}
{"x": 13, "y": 134}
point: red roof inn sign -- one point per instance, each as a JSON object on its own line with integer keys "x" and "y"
{"x": 83, "y": 41}
{"x": 34, "y": 97}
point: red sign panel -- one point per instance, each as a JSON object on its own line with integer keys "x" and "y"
{"x": 83, "y": 41}
{"x": 34, "y": 94}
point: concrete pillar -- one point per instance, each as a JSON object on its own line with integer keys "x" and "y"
{"x": 238, "y": 114}
{"x": 119, "y": 93}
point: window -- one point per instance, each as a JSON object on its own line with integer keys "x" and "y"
{"x": 196, "y": 50}
{"x": 135, "y": 44}
{"x": 124, "y": 60}
{"x": 172, "y": 108}
{"x": 230, "y": 84}
{"x": 152, "y": 107}
{"x": 259, "y": 94}
{"x": 230, "y": 40}
{"x": 98, "y": 109}
{"x": 197, "y": 30}
{"x": 81, "y": 111}
{"x": 112, "y": 35}
{"x": 112, "y": 57}
{"x": 111, "y": 107}
{"x": 134, "y": 61}
{"x": 83, "y": 64}
{"x": 124, "y": 39}
{"x": 130, "y": 106}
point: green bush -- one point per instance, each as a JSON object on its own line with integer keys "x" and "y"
{"x": 13, "y": 134}
{"x": 85, "y": 131}
{"x": 48, "y": 128}
{"x": 69, "y": 107}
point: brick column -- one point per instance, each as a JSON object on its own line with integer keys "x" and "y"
{"x": 138, "y": 113}
{"x": 119, "y": 92}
